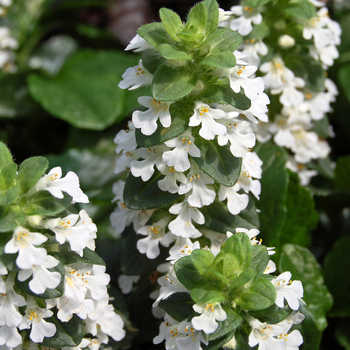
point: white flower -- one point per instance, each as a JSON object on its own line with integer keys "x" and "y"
{"x": 235, "y": 202}
{"x": 124, "y": 162}
{"x": 205, "y": 115}
{"x": 210, "y": 313}
{"x": 68, "y": 230}
{"x": 136, "y": 76}
{"x": 9, "y": 303}
{"x": 155, "y": 234}
{"x": 240, "y": 77}
{"x": 126, "y": 139}
{"x": 138, "y": 44}
{"x": 181, "y": 251}
{"x": 182, "y": 225}
{"x": 23, "y": 241}
{"x": 168, "y": 331}
{"x": 216, "y": 240}
{"x": 252, "y": 164}
{"x": 304, "y": 174}
{"x": 192, "y": 339}
{"x": 183, "y": 146}
{"x": 53, "y": 183}
{"x": 169, "y": 182}
{"x": 151, "y": 157}
{"x": 6, "y": 40}
{"x": 201, "y": 195}
{"x": 243, "y": 24}
{"x": 240, "y": 141}
{"x": 147, "y": 120}
{"x": 286, "y": 41}
{"x": 253, "y": 48}
{"x": 3, "y": 271}
{"x": 42, "y": 278}
{"x": 9, "y": 337}
{"x": 34, "y": 318}
{"x": 291, "y": 291}
{"x": 125, "y": 282}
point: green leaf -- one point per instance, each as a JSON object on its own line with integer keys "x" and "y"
{"x": 224, "y": 59}
{"x": 342, "y": 333}
{"x": 308, "y": 69}
{"x": 239, "y": 245}
{"x": 218, "y": 343}
{"x": 260, "y": 259}
{"x": 84, "y": 92}
{"x": 223, "y": 39}
{"x": 207, "y": 294}
{"x": 232, "y": 322}
{"x": 155, "y": 34}
{"x": 171, "y": 21}
{"x": 9, "y": 219}
{"x": 259, "y": 295}
{"x": 218, "y": 162}
{"x": 140, "y": 195}
{"x": 30, "y": 171}
{"x": 304, "y": 267}
{"x": 67, "y": 333}
{"x": 226, "y": 264}
{"x": 151, "y": 60}
{"x": 188, "y": 275}
{"x": 245, "y": 277}
{"x": 180, "y": 113}
{"x": 49, "y": 293}
{"x": 171, "y": 53}
{"x": 274, "y": 185}
{"x": 272, "y": 314}
{"x": 43, "y": 203}
{"x": 5, "y": 156}
{"x": 301, "y": 216}
{"x": 337, "y": 278}
{"x": 89, "y": 256}
{"x": 301, "y": 10}
{"x": 10, "y": 195}
{"x": 172, "y": 83}
{"x": 196, "y": 23}
{"x": 222, "y": 93}
{"x": 257, "y": 3}
{"x": 342, "y": 171}
{"x": 179, "y": 306}
{"x": 213, "y": 19}
{"x": 344, "y": 78}
{"x": 218, "y": 218}
{"x": 8, "y": 176}
{"x": 202, "y": 260}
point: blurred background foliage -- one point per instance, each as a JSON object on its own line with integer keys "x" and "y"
{"x": 64, "y": 103}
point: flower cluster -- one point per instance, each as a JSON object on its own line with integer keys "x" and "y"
{"x": 49, "y": 271}
{"x": 187, "y": 156}
{"x": 7, "y": 42}
{"x": 293, "y": 46}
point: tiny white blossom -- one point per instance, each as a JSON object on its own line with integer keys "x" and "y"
{"x": 126, "y": 139}
{"x": 169, "y": 182}
{"x": 235, "y": 202}
{"x": 138, "y": 44}
{"x": 247, "y": 16}
{"x": 136, "y": 76}
{"x": 125, "y": 282}
{"x": 210, "y": 313}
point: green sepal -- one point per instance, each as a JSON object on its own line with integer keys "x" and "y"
{"x": 231, "y": 323}
{"x": 140, "y": 195}
{"x": 49, "y": 293}
{"x": 151, "y": 60}
{"x": 272, "y": 314}
{"x": 260, "y": 259}
{"x": 188, "y": 275}
{"x": 5, "y": 156}
{"x": 223, "y": 39}
{"x": 67, "y": 333}
{"x": 221, "y": 92}
{"x": 43, "y": 203}
{"x": 224, "y": 59}
{"x": 180, "y": 114}
{"x": 245, "y": 277}
{"x": 172, "y": 22}
{"x": 207, "y": 294}
{"x": 218, "y": 161}
{"x": 172, "y": 83}
{"x": 30, "y": 171}
{"x": 179, "y": 306}
{"x": 259, "y": 295}
{"x": 301, "y": 9}
{"x": 171, "y": 53}
{"x": 89, "y": 256}
{"x": 155, "y": 34}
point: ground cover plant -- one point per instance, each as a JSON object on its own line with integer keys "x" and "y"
{"x": 176, "y": 182}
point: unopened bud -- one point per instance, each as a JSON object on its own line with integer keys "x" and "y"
{"x": 286, "y": 41}
{"x": 231, "y": 344}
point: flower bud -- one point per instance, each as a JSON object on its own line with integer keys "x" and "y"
{"x": 286, "y": 41}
